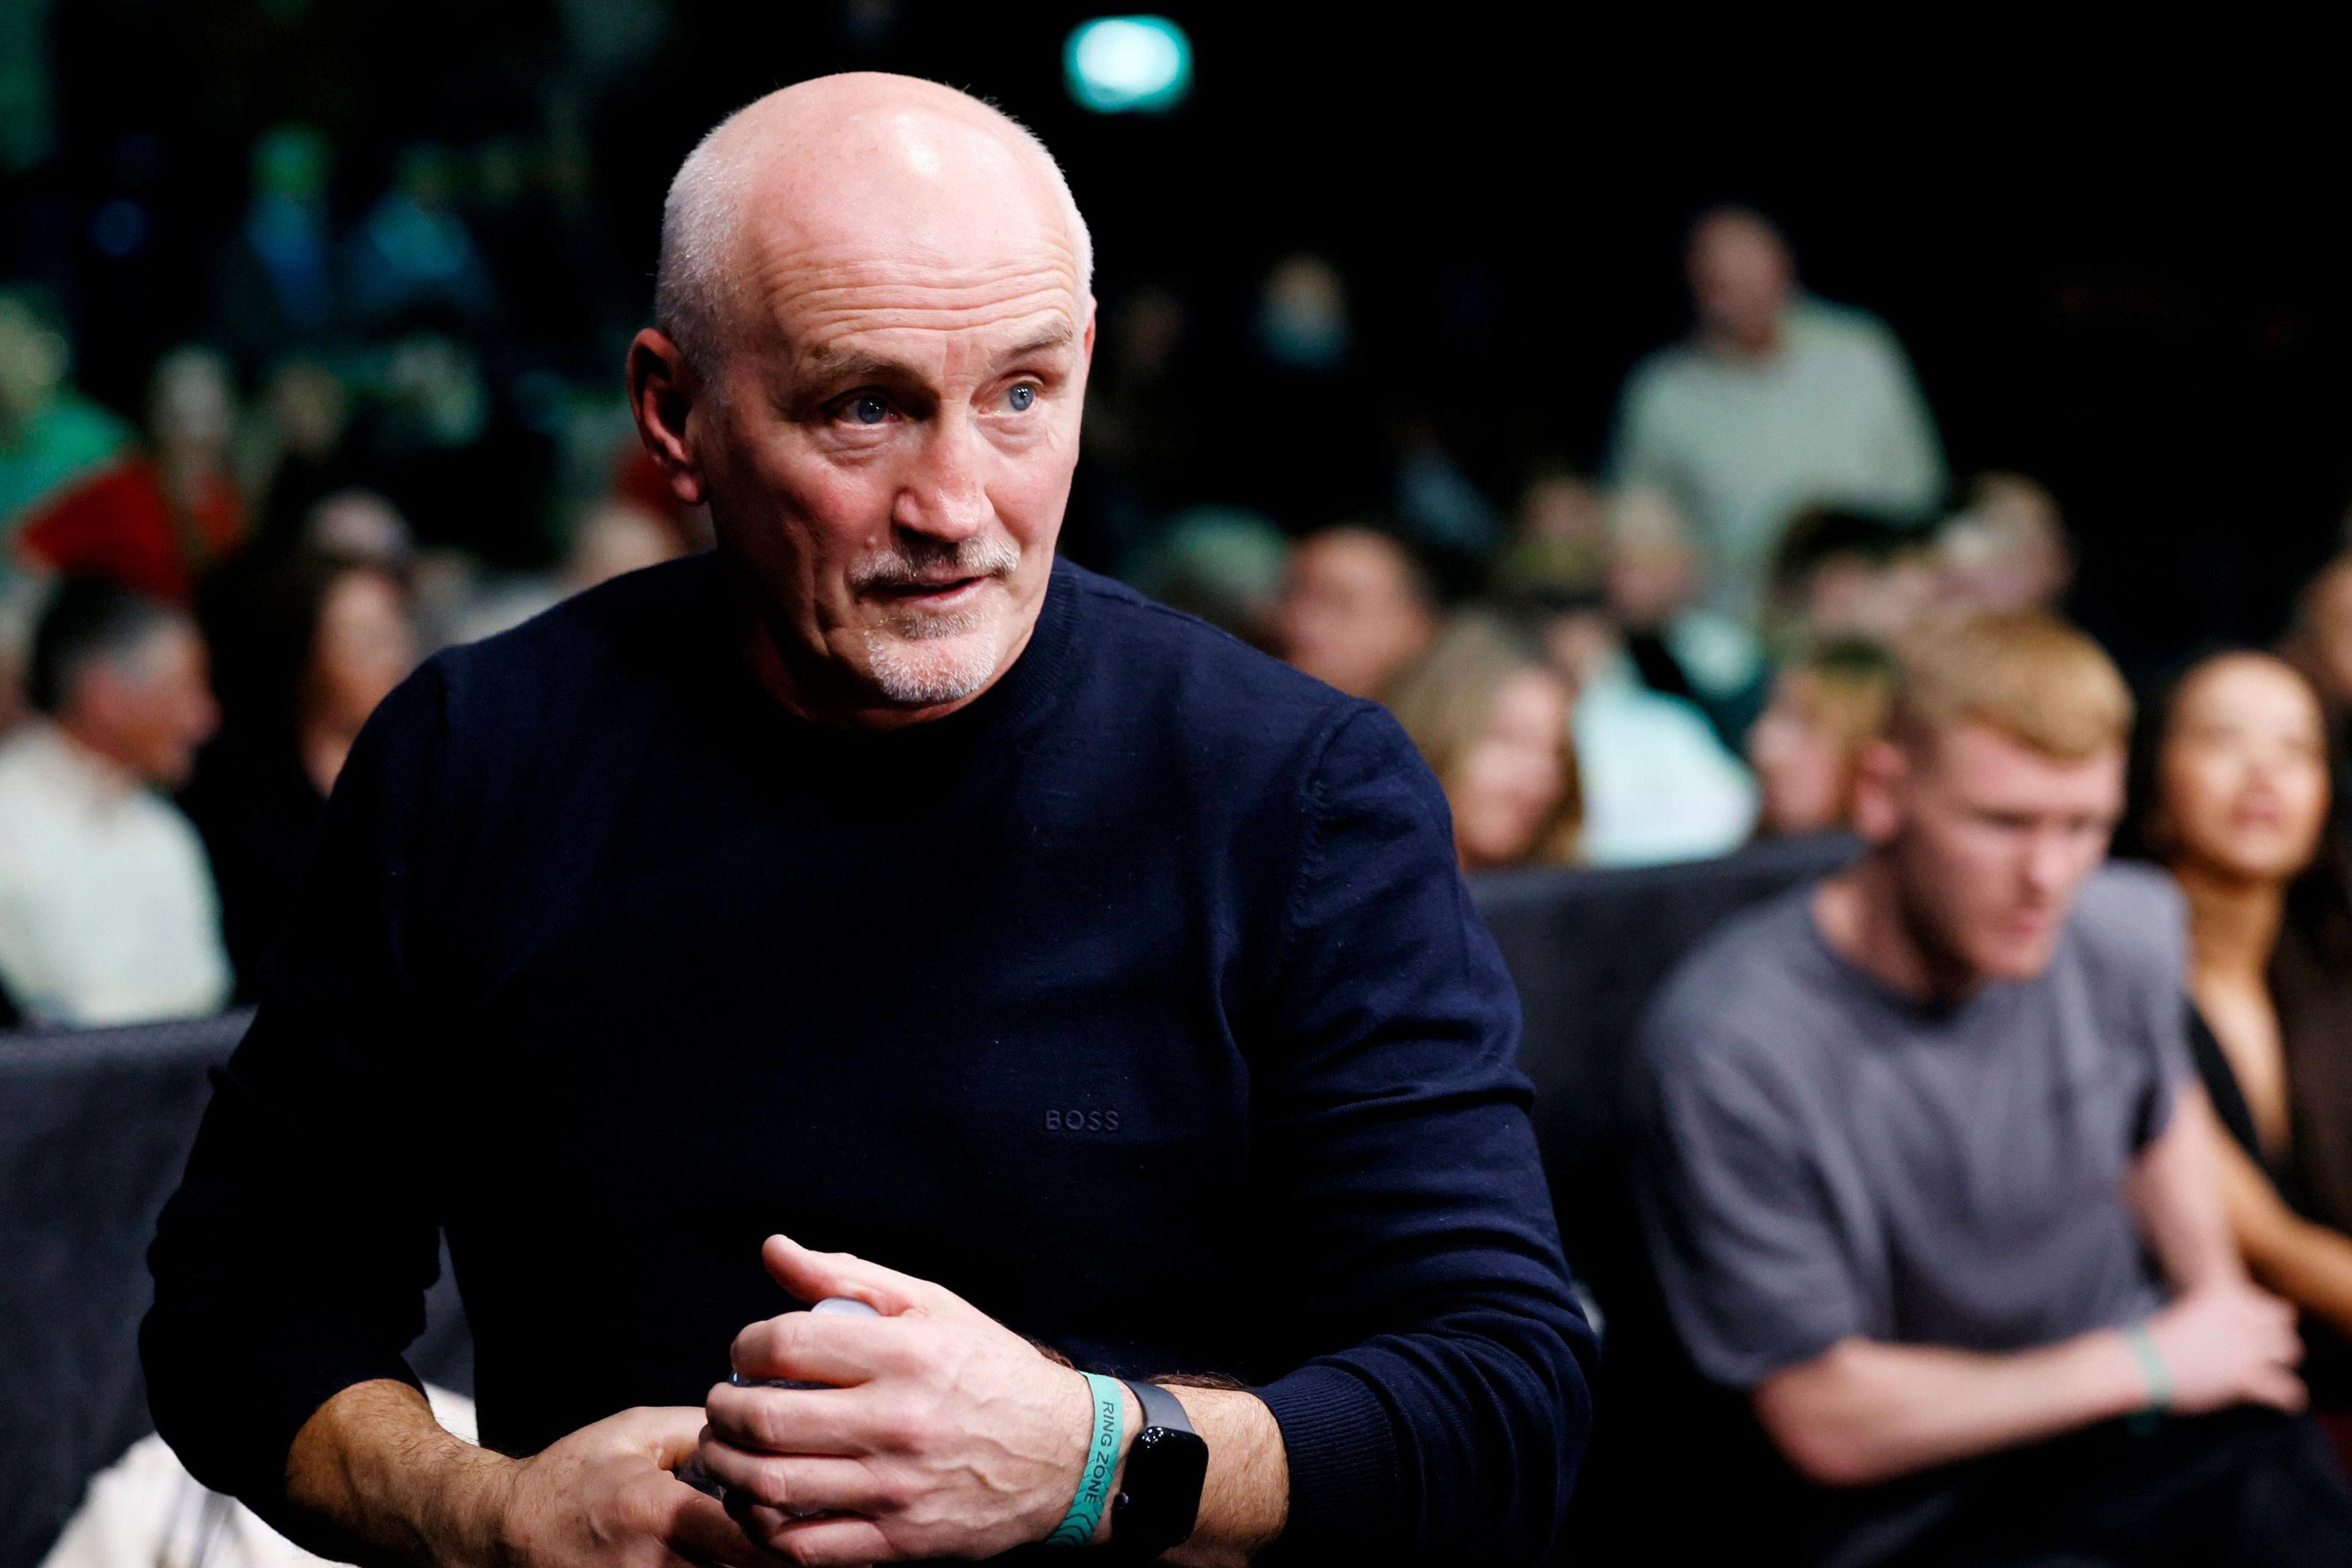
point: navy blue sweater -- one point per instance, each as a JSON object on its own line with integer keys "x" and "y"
{"x": 1140, "y": 1002}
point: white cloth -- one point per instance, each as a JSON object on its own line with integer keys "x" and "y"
{"x": 145, "y": 1510}
{"x": 1832, "y": 417}
{"x": 1722, "y": 658}
{"x": 1658, "y": 785}
{"x": 107, "y": 909}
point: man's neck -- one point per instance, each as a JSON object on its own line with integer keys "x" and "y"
{"x": 2233, "y": 923}
{"x": 91, "y": 754}
{"x": 1863, "y": 916}
{"x": 1748, "y": 347}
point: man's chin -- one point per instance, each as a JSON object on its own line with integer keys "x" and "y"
{"x": 2016, "y": 961}
{"x": 929, "y": 671}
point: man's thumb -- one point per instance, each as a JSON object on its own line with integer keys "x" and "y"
{"x": 811, "y": 1276}
{"x": 668, "y": 1433}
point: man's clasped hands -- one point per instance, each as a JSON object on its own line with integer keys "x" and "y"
{"x": 940, "y": 1432}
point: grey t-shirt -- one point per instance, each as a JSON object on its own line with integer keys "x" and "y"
{"x": 1824, "y": 1157}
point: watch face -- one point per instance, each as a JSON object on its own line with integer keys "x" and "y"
{"x": 1167, "y": 1440}
{"x": 1165, "y": 1475}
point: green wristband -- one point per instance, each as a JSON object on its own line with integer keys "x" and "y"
{"x": 1078, "y": 1526}
{"x": 2152, "y": 1368}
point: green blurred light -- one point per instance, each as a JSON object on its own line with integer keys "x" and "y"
{"x": 1129, "y": 64}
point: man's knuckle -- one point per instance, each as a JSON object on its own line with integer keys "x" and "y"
{"x": 772, "y": 1483}
{"x": 894, "y": 1492}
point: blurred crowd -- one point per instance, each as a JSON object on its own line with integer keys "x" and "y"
{"x": 1688, "y": 650}
{"x": 199, "y": 610}
{"x": 1683, "y": 652}
{"x": 1659, "y": 661}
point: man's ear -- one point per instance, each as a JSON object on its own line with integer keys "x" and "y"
{"x": 662, "y": 391}
{"x": 1881, "y": 778}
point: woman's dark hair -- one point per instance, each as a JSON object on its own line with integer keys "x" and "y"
{"x": 263, "y": 624}
{"x": 1817, "y": 535}
{"x": 2319, "y": 900}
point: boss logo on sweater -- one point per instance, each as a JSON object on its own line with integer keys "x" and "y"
{"x": 1081, "y": 1120}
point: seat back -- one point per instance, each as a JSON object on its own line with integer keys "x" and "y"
{"x": 95, "y": 1127}
{"x": 1589, "y": 951}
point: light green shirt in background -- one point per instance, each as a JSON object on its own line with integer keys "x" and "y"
{"x": 1833, "y": 416}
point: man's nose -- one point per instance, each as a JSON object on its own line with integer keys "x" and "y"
{"x": 2048, "y": 864}
{"x": 945, "y": 496}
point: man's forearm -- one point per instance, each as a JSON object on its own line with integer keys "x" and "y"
{"x": 1246, "y": 1496}
{"x": 1865, "y": 1411}
{"x": 373, "y": 1475}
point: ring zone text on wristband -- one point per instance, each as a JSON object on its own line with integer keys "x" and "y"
{"x": 1078, "y": 1525}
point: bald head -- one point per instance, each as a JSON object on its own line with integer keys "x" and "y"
{"x": 861, "y": 163}
{"x": 871, "y": 364}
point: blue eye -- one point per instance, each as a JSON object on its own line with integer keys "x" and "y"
{"x": 1021, "y": 397}
{"x": 870, "y": 409}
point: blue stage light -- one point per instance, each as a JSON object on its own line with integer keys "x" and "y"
{"x": 1140, "y": 65}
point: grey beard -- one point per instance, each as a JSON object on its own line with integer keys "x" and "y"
{"x": 912, "y": 669}
{"x": 905, "y": 659}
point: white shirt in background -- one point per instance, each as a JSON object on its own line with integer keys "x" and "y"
{"x": 108, "y": 913}
{"x": 1658, "y": 785}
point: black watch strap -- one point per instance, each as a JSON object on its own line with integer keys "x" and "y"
{"x": 1160, "y": 1499}
{"x": 1161, "y": 1408}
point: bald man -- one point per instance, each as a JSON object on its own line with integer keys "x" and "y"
{"x": 879, "y": 884}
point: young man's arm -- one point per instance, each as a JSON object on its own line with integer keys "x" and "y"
{"x": 1865, "y": 1411}
{"x": 2175, "y": 1189}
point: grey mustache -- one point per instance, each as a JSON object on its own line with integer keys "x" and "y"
{"x": 906, "y": 569}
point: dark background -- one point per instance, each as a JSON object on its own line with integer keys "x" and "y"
{"x": 2118, "y": 262}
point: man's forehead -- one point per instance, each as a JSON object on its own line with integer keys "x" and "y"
{"x": 1986, "y": 765}
{"x": 906, "y": 196}
{"x": 821, "y": 319}
{"x": 820, "y": 283}
{"x": 853, "y": 341}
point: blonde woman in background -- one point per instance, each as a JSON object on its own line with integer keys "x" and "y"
{"x": 1491, "y": 720}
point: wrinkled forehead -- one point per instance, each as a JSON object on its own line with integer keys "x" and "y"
{"x": 907, "y": 225}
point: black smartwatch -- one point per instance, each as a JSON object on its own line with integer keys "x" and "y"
{"x": 1160, "y": 1498}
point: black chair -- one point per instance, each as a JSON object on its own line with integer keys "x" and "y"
{"x": 95, "y": 1128}
{"x": 1678, "y": 1472}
